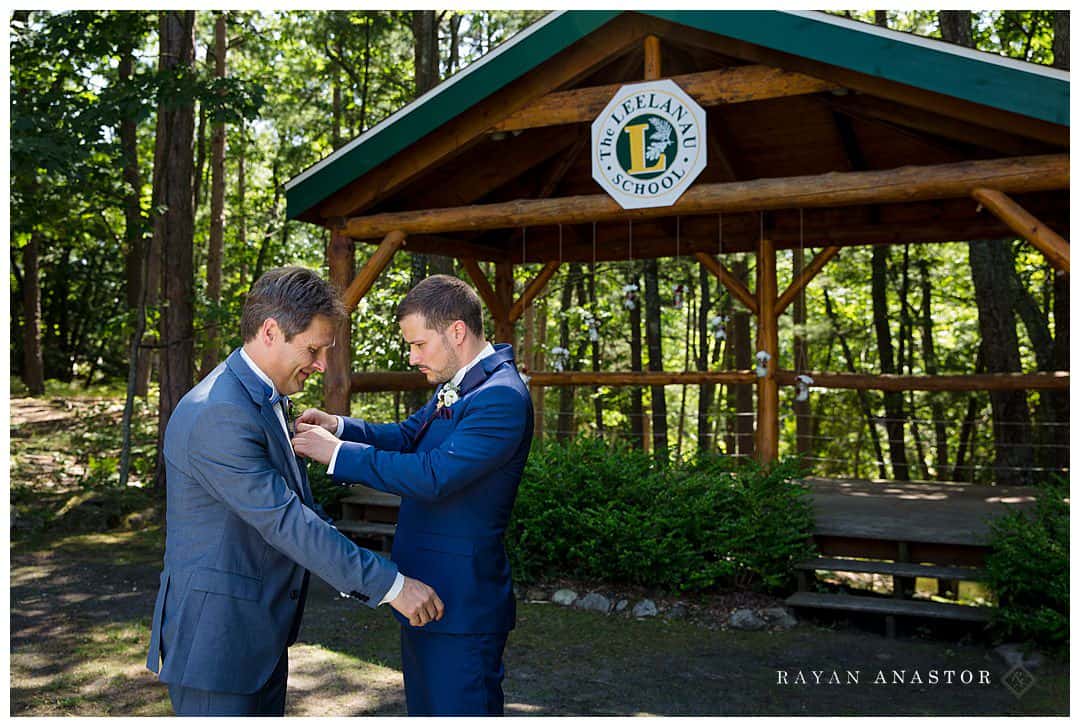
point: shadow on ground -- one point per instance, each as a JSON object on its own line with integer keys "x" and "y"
{"x": 80, "y": 619}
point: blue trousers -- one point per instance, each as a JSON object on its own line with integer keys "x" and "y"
{"x": 269, "y": 701}
{"x": 452, "y": 674}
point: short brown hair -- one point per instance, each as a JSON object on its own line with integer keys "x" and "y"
{"x": 292, "y": 296}
{"x": 441, "y": 300}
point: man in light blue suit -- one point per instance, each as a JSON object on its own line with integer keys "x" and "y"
{"x": 241, "y": 534}
{"x": 456, "y": 463}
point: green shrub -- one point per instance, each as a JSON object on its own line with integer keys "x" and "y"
{"x": 1028, "y": 569}
{"x": 591, "y": 510}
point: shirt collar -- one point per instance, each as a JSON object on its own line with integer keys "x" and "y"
{"x": 484, "y": 353}
{"x": 274, "y": 395}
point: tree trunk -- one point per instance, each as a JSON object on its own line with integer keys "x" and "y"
{"x": 656, "y": 356}
{"x": 991, "y": 271}
{"x": 452, "y": 60}
{"x": 941, "y": 442}
{"x": 212, "y": 352}
{"x": 174, "y": 225}
{"x": 241, "y": 203}
{"x": 894, "y": 400}
{"x": 801, "y": 362}
{"x": 598, "y": 405}
{"x": 956, "y": 27}
{"x": 565, "y": 427}
{"x": 33, "y": 361}
{"x": 864, "y": 399}
{"x": 741, "y": 348}
{"x": 637, "y": 406}
{"x": 706, "y": 393}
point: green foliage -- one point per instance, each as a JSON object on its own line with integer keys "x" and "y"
{"x": 1028, "y": 569}
{"x": 589, "y": 510}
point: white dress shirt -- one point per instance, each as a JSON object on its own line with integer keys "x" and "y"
{"x": 399, "y": 580}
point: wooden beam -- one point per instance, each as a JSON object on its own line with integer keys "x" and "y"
{"x": 738, "y": 84}
{"x": 1042, "y": 381}
{"x": 378, "y": 261}
{"x": 458, "y": 135}
{"x": 341, "y": 262}
{"x": 733, "y": 284}
{"x": 1052, "y": 245}
{"x": 483, "y": 288}
{"x": 388, "y": 381}
{"x": 905, "y": 184}
{"x": 533, "y": 289}
{"x": 804, "y": 277}
{"x": 767, "y": 431}
{"x": 652, "y": 59}
{"x": 638, "y": 378}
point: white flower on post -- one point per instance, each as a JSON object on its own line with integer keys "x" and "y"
{"x": 762, "y": 363}
{"x": 718, "y": 326}
{"x": 677, "y": 295}
{"x": 559, "y": 358}
{"x": 630, "y": 291}
{"x": 803, "y": 382}
{"x": 448, "y": 395}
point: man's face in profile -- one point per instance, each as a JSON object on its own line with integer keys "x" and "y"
{"x": 296, "y": 359}
{"x": 429, "y": 350}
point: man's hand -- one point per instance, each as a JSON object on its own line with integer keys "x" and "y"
{"x": 418, "y": 602}
{"x": 313, "y": 441}
{"x": 329, "y": 422}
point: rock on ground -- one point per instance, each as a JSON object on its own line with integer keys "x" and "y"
{"x": 564, "y": 597}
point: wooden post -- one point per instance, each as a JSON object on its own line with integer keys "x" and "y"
{"x": 767, "y": 434}
{"x": 504, "y": 294}
{"x": 652, "y": 58}
{"x": 1052, "y": 245}
{"x": 732, "y": 283}
{"x": 483, "y": 288}
{"x": 341, "y": 260}
{"x": 533, "y": 289}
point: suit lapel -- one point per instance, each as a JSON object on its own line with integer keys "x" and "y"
{"x": 261, "y": 396}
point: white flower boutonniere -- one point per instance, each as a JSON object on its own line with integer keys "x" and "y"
{"x": 448, "y": 394}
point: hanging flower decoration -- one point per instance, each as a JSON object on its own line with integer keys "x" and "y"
{"x": 678, "y": 294}
{"x": 718, "y": 327}
{"x": 630, "y": 291}
{"x": 590, "y": 323}
{"x": 803, "y": 382}
{"x": 762, "y": 362}
{"x": 559, "y": 358}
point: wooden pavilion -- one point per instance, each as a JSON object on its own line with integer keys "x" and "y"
{"x": 823, "y": 132}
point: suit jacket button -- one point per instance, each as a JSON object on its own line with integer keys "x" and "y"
{"x": 294, "y": 594}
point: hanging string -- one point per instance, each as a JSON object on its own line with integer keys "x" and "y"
{"x": 560, "y": 242}
{"x": 522, "y": 245}
{"x": 803, "y": 381}
{"x": 720, "y": 232}
{"x": 678, "y": 236}
{"x": 594, "y": 247}
{"x": 630, "y": 243}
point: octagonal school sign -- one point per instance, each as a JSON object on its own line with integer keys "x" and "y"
{"x": 648, "y": 144}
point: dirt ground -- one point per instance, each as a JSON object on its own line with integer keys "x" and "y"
{"x": 81, "y": 604}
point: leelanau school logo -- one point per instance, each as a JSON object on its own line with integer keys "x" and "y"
{"x": 648, "y": 144}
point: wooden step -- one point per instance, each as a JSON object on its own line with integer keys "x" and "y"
{"x": 888, "y": 606}
{"x": 368, "y": 496}
{"x": 904, "y": 570}
{"x": 355, "y": 527}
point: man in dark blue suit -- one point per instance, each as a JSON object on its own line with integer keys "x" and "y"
{"x": 241, "y": 532}
{"x": 456, "y": 463}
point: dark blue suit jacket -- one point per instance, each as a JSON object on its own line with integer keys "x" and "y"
{"x": 458, "y": 478}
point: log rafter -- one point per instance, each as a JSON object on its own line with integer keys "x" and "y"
{"x": 905, "y": 184}
{"x": 737, "y": 84}
{"x": 1051, "y": 244}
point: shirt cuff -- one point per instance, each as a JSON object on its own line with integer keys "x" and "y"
{"x": 333, "y": 459}
{"x": 340, "y": 425}
{"x": 399, "y": 583}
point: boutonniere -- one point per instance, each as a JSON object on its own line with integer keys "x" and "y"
{"x": 448, "y": 395}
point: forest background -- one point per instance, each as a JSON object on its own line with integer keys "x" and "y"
{"x": 148, "y": 157}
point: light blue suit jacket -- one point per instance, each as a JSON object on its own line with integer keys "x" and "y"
{"x": 458, "y": 477}
{"x": 240, "y": 539}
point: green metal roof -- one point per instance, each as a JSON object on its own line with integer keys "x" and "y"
{"x": 984, "y": 78}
